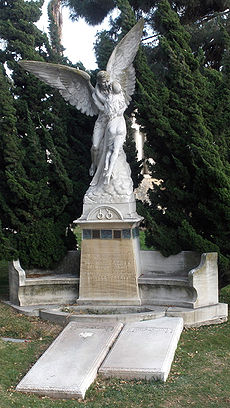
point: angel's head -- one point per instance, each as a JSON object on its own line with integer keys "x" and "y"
{"x": 103, "y": 80}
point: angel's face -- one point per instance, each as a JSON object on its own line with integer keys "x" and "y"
{"x": 103, "y": 80}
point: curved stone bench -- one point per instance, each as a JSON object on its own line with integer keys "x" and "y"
{"x": 187, "y": 279}
{"x": 36, "y": 287}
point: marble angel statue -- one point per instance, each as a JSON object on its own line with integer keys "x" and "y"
{"x": 109, "y": 99}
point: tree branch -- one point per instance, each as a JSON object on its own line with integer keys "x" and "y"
{"x": 152, "y": 36}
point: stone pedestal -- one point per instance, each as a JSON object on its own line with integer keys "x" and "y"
{"x": 110, "y": 255}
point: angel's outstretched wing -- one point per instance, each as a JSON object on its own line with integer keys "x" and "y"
{"x": 120, "y": 65}
{"x": 73, "y": 84}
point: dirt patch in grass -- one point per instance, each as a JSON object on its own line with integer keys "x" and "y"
{"x": 173, "y": 402}
{"x": 215, "y": 364}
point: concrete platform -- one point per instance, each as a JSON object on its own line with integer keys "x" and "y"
{"x": 144, "y": 350}
{"x": 33, "y": 310}
{"x": 95, "y": 314}
{"x": 70, "y": 364}
{"x": 212, "y": 314}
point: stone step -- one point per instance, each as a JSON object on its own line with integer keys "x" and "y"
{"x": 70, "y": 364}
{"x": 144, "y": 350}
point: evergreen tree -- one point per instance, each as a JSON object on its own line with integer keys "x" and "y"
{"x": 103, "y": 47}
{"x": 11, "y": 170}
{"x": 182, "y": 116}
{"x": 38, "y": 195}
{"x": 201, "y": 17}
{"x": 94, "y": 11}
{"x": 190, "y": 208}
{"x": 32, "y": 195}
{"x": 55, "y": 25}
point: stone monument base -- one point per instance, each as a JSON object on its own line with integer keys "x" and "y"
{"x": 110, "y": 261}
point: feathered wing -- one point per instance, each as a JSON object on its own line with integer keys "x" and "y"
{"x": 73, "y": 84}
{"x": 120, "y": 65}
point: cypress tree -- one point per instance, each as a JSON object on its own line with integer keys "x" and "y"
{"x": 201, "y": 17}
{"x": 190, "y": 208}
{"x": 11, "y": 169}
{"x": 52, "y": 146}
{"x": 55, "y": 25}
{"x": 94, "y": 11}
{"x": 37, "y": 192}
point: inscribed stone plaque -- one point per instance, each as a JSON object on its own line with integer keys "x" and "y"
{"x": 108, "y": 272}
{"x": 144, "y": 350}
{"x": 70, "y": 364}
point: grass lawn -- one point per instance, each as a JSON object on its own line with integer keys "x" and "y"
{"x": 199, "y": 376}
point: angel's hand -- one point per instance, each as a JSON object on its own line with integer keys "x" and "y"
{"x": 116, "y": 87}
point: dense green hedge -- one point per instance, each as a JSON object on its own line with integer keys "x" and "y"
{"x": 225, "y": 295}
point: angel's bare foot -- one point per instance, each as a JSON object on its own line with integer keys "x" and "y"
{"x": 107, "y": 176}
{"x": 92, "y": 170}
{"x": 106, "y": 181}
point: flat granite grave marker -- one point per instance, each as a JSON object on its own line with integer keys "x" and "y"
{"x": 70, "y": 364}
{"x": 144, "y": 350}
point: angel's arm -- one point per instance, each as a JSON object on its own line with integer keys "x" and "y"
{"x": 116, "y": 87}
{"x": 98, "y": 102}
{"x": 99, "y": 94}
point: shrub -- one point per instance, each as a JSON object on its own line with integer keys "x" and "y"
{"x": 225, "y": 295}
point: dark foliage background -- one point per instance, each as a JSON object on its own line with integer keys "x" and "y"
{"x": 182, "y": 100}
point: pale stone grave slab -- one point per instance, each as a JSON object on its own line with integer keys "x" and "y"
{"x": 70, "y": 364}
{"x": 144, "y": 350}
